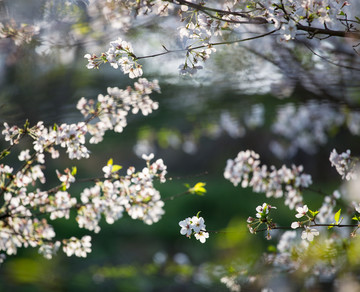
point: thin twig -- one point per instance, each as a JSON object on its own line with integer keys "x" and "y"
{"x": 176, "y": 196}
{"x": 189, "y": 49}
{"x": 329, "y": 61}
{"x": 313, "y": 225}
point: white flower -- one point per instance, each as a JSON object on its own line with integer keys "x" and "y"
{"x": 148, "y": 157}
{"x": 344, "y": 164}
{"x": 135, "y": 72}
{"x": 91, "y": 64}
{"x": 197, "y": 223}
{"x": 107, "y": 170}
{"x": 295, "y": 225}
{"x": 309, "y": 233}
{"x": 24, "y": 155}
{"x": 186, "y": 228}
{"x": 262, "y": 210}
{"x": 289, "y": 30}
{"x": 301, "y": 211}
{"x": 78, "y": 247}
{"x": 202, "y": 236}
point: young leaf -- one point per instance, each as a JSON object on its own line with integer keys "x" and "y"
{"x": 313, "y": 213}
{"x": 337, "y": 216}
{"x": 198, "y": 189}
{"x": 4, "y": 153}
{"x": 73, "y": 170}
{"x": 110, "y": 161}
{"x": 116, "y": 168}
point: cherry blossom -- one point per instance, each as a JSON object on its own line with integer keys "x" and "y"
{"x": 194, "y": 226}
{"x": 295, "y": 225}
{"x": 245, "y": 168}
{"x": 201, "y": 236}
{"x": 301, "y": 211}
{"x": 120, "y": 54}
{"x": 78, "y": 247}
{"x": 345, "y": 165}
{"x": 309, "y": 233}
{"x": 112, "y": 109}
{"x": 186, "y": 228}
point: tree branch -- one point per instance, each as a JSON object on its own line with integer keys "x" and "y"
{"x": 329, "y": 61}
{"x": 189, "y": 49}
{"x": 337, "y": 33}
{"x": 262, "y": 20}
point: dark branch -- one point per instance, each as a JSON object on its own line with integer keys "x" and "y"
{"x": 262, "y": 20}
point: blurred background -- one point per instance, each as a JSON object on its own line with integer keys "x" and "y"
{"x": 282, "y": 101}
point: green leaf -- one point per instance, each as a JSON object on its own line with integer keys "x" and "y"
{"x": 198, "y": 189}
{"x": 116, "y": 168}
{"x": 355, "y": 218}
{"x": 110, "y": 161}
{"x": 313, "y": 213}
{"x": 63, "y": 187}
{"x": 330, "y": 226}
{"x": 4, "y": 153}
{"x": 272, "y": 248}
{"x": 337, "y": 216}
{"x": 27, "y": 124}
{"x": 73, "y": 170}
{"x": 198, "y": 213}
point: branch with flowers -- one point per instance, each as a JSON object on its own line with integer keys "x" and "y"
{"x": 27, "y": 207}
{"x": 206, "y": 26}
{"x": 263, "y": 217}
{"x": 282, "y": 12}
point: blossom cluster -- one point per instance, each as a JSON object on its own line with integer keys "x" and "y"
{"x": 283, "y": 182}
{"x": 118, "y": 14}
{"x": 199, "y": 31}
{"x": 309, "y": 232}
{"x": 304, "y": 127}
{"x": 231, "y": 283}
{"x": 201, "y": 26}
{"x": 288, "y": 14}
{"x": 294, "y": 254}
{"x": 262, "y": 217}
{"x": 326, "y": 211}
{"x": 20, "y": 34}
{"x": 25, "y": 205}
{"x": 345, "y": 165}
{"x": 112, "y": 109}
{"x": 194, "y": 226}
{"x": 20, "y": 225}
{"x": 202, "y": 29}
{"x": 287, "y": 245}
{"x": 68, "y": 136}
{"x": 133, "y": 193}
{"x": 16, "y": 232}
{"x": 120, "y": 54}
{"x": 79, "y": 247}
